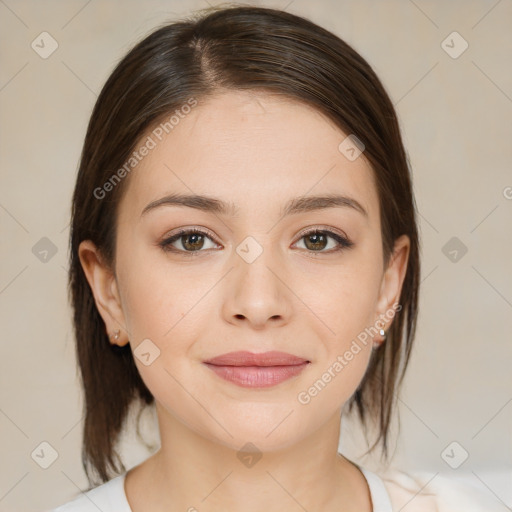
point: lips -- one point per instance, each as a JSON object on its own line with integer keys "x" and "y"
{"x": 251, "y": 370}
{"x": 254, "y": 359}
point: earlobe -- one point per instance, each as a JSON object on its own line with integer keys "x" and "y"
{"x": 392, "y": 282}
{"x": 103, "y": 285}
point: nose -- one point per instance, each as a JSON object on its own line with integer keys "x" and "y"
{"x": 256, "y": 293}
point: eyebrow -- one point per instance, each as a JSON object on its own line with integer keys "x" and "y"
{"x": 294, "y": 206}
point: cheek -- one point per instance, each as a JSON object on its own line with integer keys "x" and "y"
{"x": 342, "y": 299}
{"x": 346, "y": 309}
{"x": 168, "y": 306}
{"x": 333, "y": 384}
{"x": 154, "y": 294}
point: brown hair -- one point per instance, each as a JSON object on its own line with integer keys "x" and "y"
{"x": 235, "y": 48}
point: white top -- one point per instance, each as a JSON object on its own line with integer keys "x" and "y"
{"x": 111, "y": 497}
{"x": 418, "y": 492}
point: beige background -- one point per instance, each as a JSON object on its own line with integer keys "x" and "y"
{"x": 456, "y": 116}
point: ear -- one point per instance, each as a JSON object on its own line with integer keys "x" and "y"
{"x": 392, "y": 282}
{"x": 103, "y": 284}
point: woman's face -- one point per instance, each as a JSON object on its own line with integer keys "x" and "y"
{"x": 254, "y": 281}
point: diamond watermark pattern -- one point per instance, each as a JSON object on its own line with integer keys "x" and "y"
{"x": 351, "y": 147}
{"x": 44, "y": 45}
{"x": 249, "y": 455}
{"x": 249, "y": 249}
{"x": 44, "y": 250}
{"x": 44, "y": 455}
{"x": 454, "y": 45}
{"x": 147, "y": 352}
{"x": 454, "y": 249}
{"x": 454, "y": 455}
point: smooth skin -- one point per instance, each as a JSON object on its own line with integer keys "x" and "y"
{"x": 256, "y": 150}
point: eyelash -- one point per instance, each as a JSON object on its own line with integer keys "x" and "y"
{"x": 344, "y": 243}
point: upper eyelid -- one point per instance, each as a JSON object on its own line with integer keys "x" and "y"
{"x": 321, "y": 228}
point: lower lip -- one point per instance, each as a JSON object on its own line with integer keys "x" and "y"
{"x": 257, "y": 376}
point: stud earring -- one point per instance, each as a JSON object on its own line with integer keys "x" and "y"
{"x": 115, "y": 335}
{"x": 377, "y": 344}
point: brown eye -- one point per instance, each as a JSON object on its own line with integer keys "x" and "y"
{"x": 317, "y": 240}
{"x": 191, "y": 241}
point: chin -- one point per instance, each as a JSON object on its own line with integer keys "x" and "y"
{"x": 271, "y": 434}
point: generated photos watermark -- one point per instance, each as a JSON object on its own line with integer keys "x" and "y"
{"x": 144, "y": 149}
{"x": 305, "y": 397}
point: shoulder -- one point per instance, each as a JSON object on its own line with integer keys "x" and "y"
{"x": 435, "y": 492}
{"x": 108, "y": 497}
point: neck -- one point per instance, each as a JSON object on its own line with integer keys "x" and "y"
{"x": 193, "y": 473}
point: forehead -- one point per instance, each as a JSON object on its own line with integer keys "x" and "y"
{"x": 255, "y": 150}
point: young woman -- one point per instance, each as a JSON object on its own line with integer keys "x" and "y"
{"x": 244, "y": 257}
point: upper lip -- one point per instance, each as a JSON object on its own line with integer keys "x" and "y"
{"x": 245, "y": 358}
